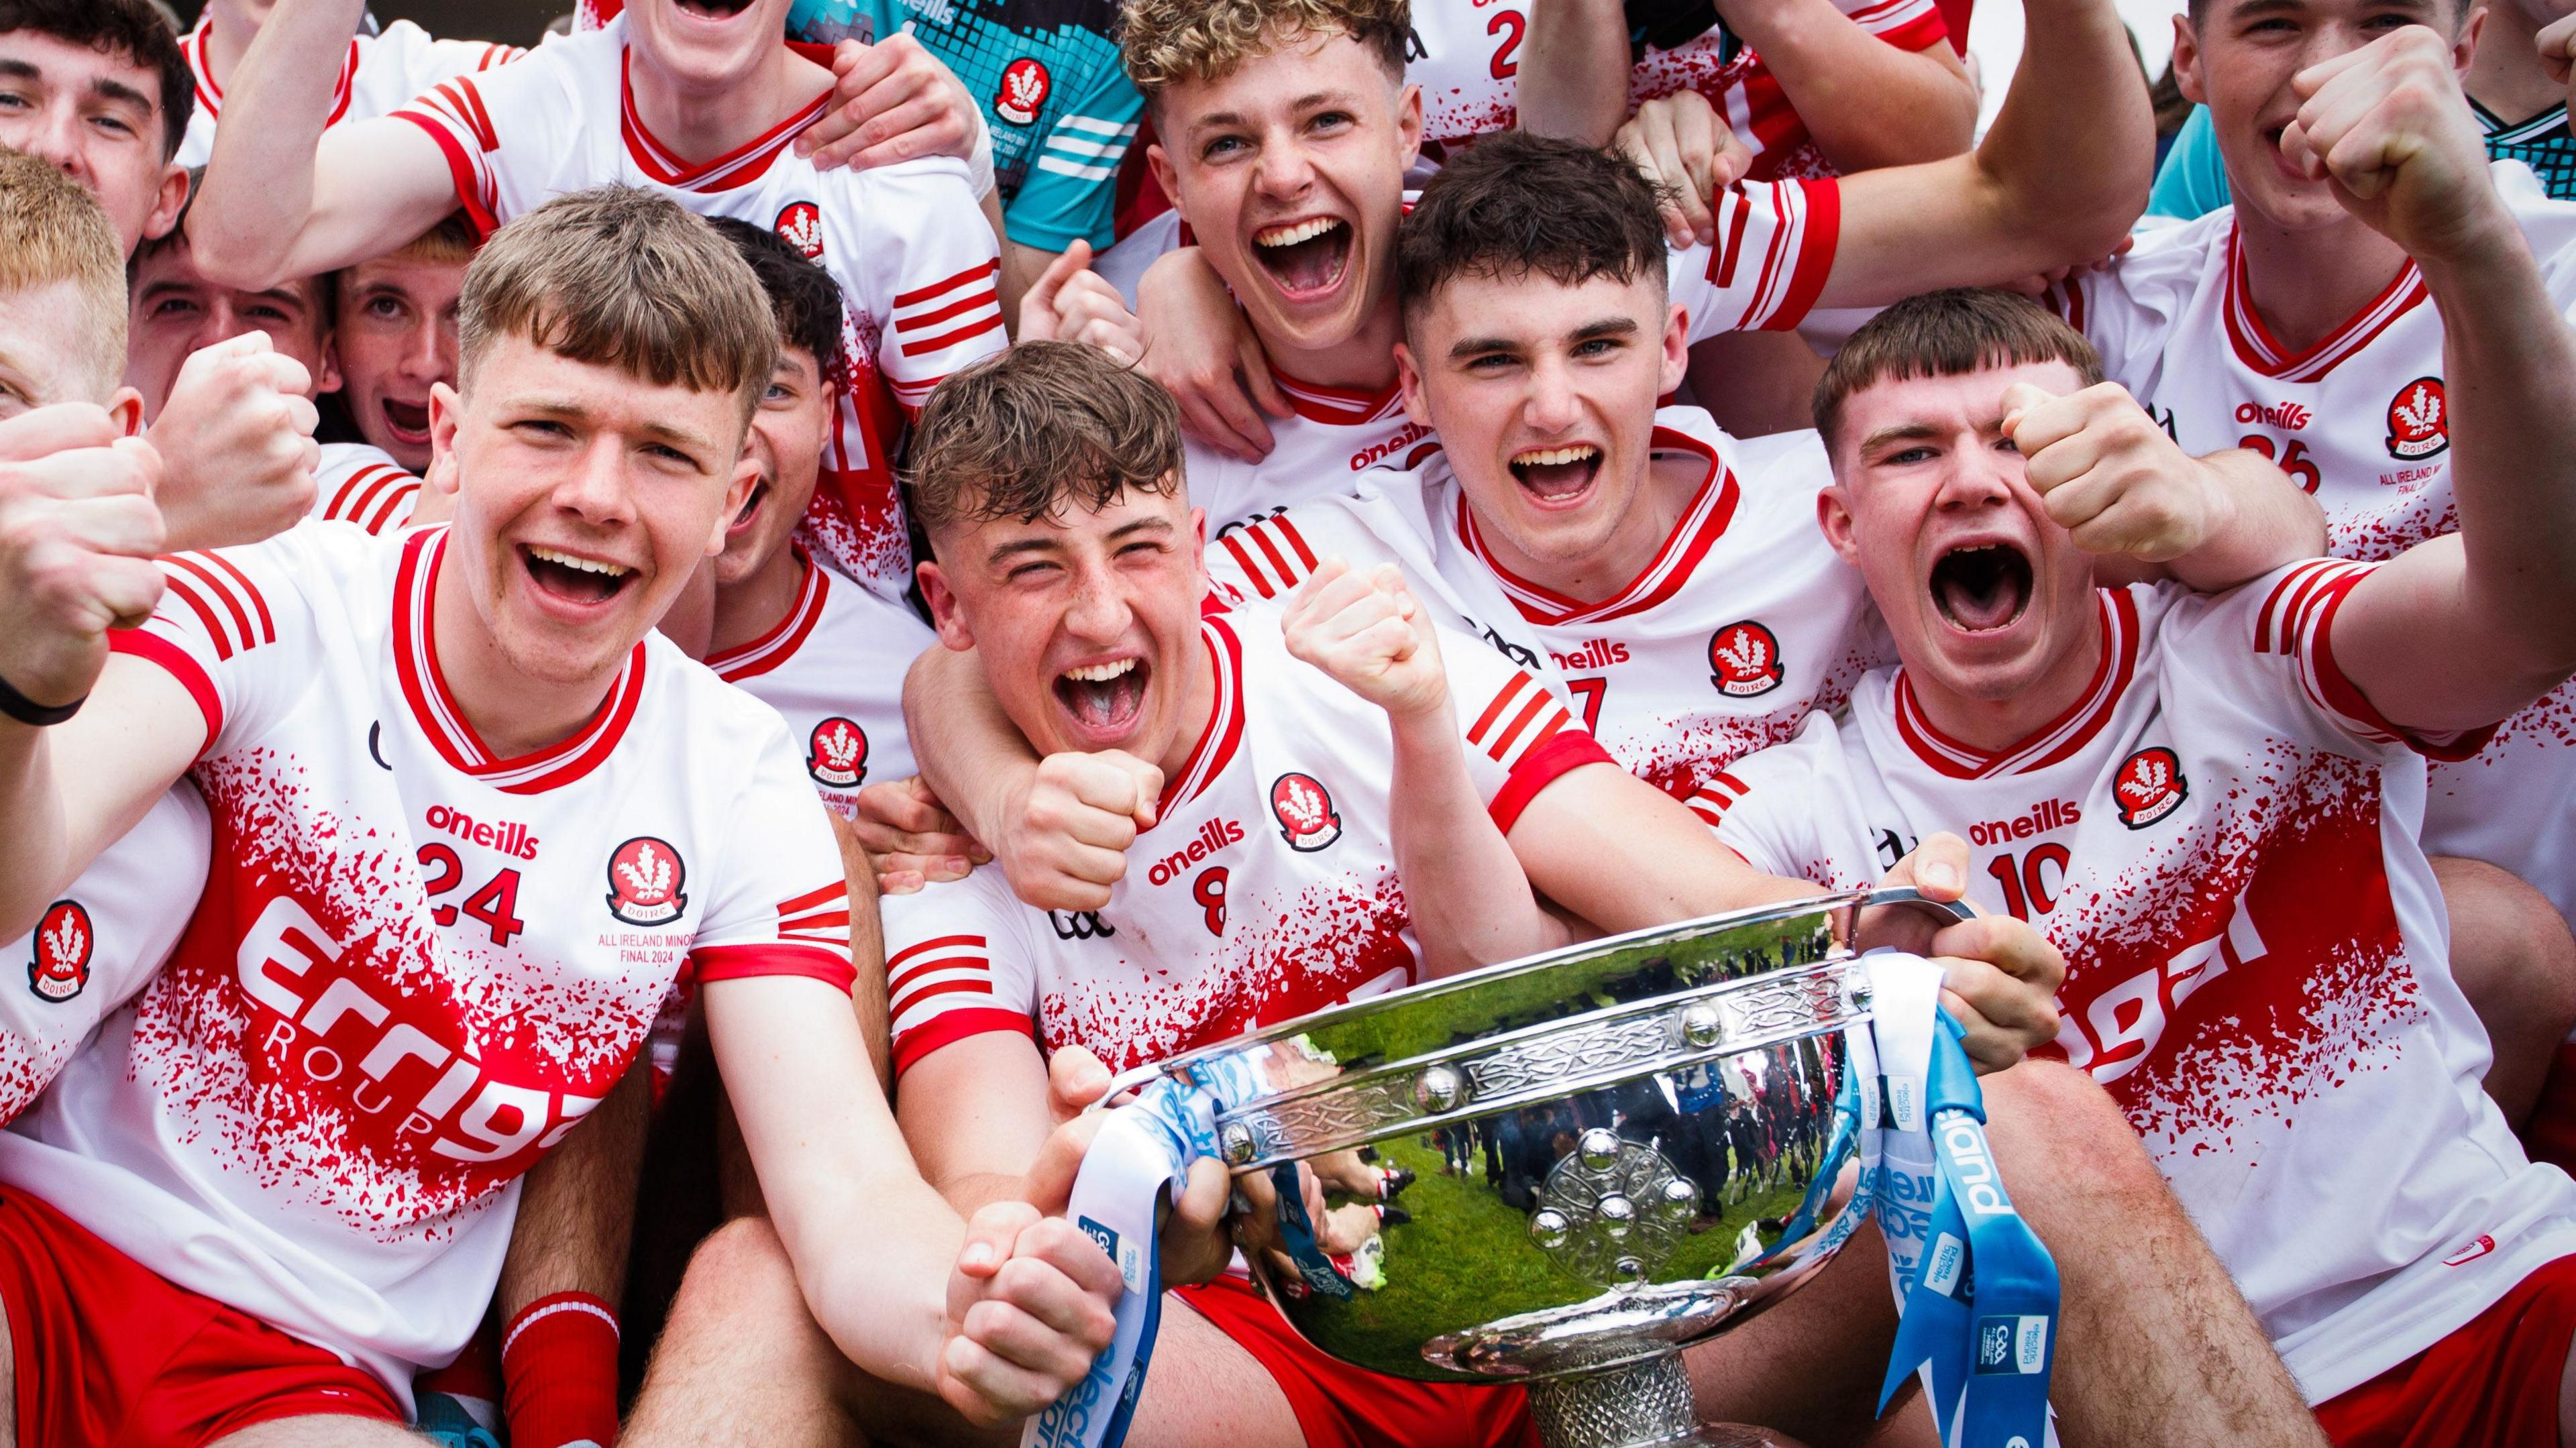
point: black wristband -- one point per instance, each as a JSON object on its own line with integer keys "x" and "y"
{"x": 27, "y": 711}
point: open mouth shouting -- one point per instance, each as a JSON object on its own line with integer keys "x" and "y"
{"x": 1982, "y": 587}
{"x": 1557, "y": 475}
{"x": 750, "y": 513}
{"x": 1306, "y": 258}
{"x": 572, "y": 580}
{"x": 1104, "y": 699}
{"x": 407, "y": 421}
{"x": 713, "y": 9}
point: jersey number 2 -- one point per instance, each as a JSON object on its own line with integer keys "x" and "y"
{"x": 2292, "y": 459}
{"x": 496, "y": 904}
{"x": 1509, "y": 24}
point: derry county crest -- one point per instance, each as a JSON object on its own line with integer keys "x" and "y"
{"x": 2149, "y": 787}
{"x": 644, "y": 880}
{"x": 1307, "y": 820}
{"x": 60, "y": 967}
{"x": 837, "y": 753}
{"x": 1025, "y": 84}
{"x": 801, "y": 226}
{"x": 2419, "y": 424}
{"x": 1745, "y": 659}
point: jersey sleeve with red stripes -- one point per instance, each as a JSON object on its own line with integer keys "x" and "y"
{"x": 235, "y": 627}
{"x": 1521, "y": 734}
{"x": 1773, "y": 807}
{"x": 783, "y": 903}
{"x": 497, "y": 129}
{"x": 1905, "y": 24}
{"x": 2288, "y": 618}
{"x": 956, "y": 965}
{"x": 363, "y": 486}
{"x": 1773, "y": 249}
{"x": 932, "y": 276}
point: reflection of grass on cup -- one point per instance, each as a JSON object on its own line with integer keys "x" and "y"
{"x": 1461, "y": 1220}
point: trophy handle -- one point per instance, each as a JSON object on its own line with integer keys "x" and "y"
{"x": 1951, "y": 912}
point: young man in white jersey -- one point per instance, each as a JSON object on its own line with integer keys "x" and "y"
{"x": 394, "y": 329}
{"x": 2212, "y": 804}
{"x": 1668, "y": 576}
{"x": 702, "y": 107}
{"x": 1264, "y": 887}
{"x": 1287, "y": 161}
{"x": 299, "y": 1148}
{"x": 381, "y": 69}
{"x": 99, "y": 88}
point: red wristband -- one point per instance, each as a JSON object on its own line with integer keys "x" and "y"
{"x": 559, "y": 1373}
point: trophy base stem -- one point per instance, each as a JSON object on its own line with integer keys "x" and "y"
{"x": 1645, "y": 1404}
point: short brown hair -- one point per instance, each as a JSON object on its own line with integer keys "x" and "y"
{"x": 450, "y": 243}
{"x": 1948, "y": 334}
{"x": 1043, "y": 427}
{"x": 620, "y": 277}
{"x": 1517, "y": 203}
{"x": 1166, "y": 42}
{"x": 136, "y": 29}
{"x": 53, "y": 231}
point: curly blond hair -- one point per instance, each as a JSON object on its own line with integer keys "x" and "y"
{"x": 1165, "y": 42}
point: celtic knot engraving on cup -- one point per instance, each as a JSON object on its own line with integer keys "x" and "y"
{"x": 1565, "y": 1055}
{"x": 1791, "y": 1003}
{"x": 1313, "y": 1122}
{"x": 1613, "y": 1210}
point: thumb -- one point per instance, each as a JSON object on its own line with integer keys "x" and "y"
{"x": 1149, "y": 791}
{"x": 991, "y": 1234}
{"x": 1075, "y": 1080}
{"x": 1938, "y": 867}
{"x": 1048, "y": 1187}
{"x": 1051, "y": 281}
{"x": 2020, "y": 399}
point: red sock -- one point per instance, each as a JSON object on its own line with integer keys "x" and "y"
{"x": 559, "y": 1373}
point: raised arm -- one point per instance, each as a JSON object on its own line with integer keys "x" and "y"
{"x": 1868, "y": 100}
{"x": 2458, "y": 632}
{"x": 1573, "y": 80}
{"x": 282, "y": 197}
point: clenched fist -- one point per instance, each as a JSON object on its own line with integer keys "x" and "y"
{"x": 1030, "y": 1304}
{"x": 1065, "y": 837}
{"x": 1073, "y": 303}
{"x": 2111, "y": 476}
{"x": 1371, "y": 634}
{"x": 2389, "y": 126}
{"x": 78, "y": 530}
{"x": 236, "y": 444}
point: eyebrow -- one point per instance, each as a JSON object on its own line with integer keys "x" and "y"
{"x": 1590, "y": 331}
{"x": 557, "y": 407}
{"x": 1017, "y": 547}
{"x": 1312, "y": 100}
{"x": 1902, "y": 432}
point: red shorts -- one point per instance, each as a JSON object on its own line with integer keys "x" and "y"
{"x": 2491, "y": 1384}
{"x": 109, "y": 1352}
{"x": 1340, "y": 1406}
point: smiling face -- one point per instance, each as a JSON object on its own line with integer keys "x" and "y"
{"x": 585, "y": 497}
{"x": 2238, "y": 58}
{"x": 96, "y": 115}
{"x": 1290, "y": 171}
{"x": 1987, "y": 596}
{"x": 707, "y": 44}
{"x": 1087, "y": 622}
{"x": 176, "y": 311}
{"x": 1544, "y": 398}
{"x": 396, "y": 338}
{"x": 788, "y": 432}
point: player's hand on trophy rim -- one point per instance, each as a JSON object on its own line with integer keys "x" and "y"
{"x": 2389, "y": 125}
{"x": 911, "y": 838}
{"x": 1690, "y": 154}
{"x": 1200, "y": 348}
{"x": 1370, "y": 634}
{"x": 78, "y": 530}
{"x": 1999, "y": 981}
{"x": 1030, "y": 1304}
{"x": 891, "y": 101}
{"x": 2110, "y": 476}
{"x": 1069, "y": 824}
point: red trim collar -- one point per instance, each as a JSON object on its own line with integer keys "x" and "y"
{"x": 210, "y": 96}
{"x": 1216, "y": 746}
{"x": 440, "y": 717}
{"x": 2257, "y": 348}
{"x": 1694, "y": 533}
{"x": 784, "y": 638}
{"x": 740, "y": 166}
{"x": 2053, "y": 742}
{"x": 1340, "y": 406}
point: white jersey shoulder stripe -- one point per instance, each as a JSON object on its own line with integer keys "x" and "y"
{"x": 223, "y": 598}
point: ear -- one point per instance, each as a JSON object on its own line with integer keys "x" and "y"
{"x": 125, "y": 409}
{"x": 2186, "y": 61}
{"x": 2464, "y": 46}
{"x": 1676, "y": 362}
{"x": 1408, "y": 123}
{"x": 328, "y": 380}
{"x": 1198, "y": 542}
{"x": 168, "y": 203}
{"x": 746, "y": 476}
{"x": 944, "y": 613}
{"x": 1167, "y": 176}
{"x": 1408, "y": 380}
{"x": 444, "y": 408}
{"x": 1834, "y": 515}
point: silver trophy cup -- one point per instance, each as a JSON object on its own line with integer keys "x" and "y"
{"x": 1618, "y": 1150}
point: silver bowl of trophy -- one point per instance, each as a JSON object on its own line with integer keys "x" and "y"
{"x": 1603, "y": 1155}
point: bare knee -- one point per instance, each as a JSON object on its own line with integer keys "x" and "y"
{"x": 2052, "y": 1127}
{"x": 741, "y": 1267}
{"x": 2511, "y": 950}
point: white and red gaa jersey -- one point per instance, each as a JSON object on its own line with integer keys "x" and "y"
{"x": 380, "y": 72}
{"x": 1742, "y": 625}
{"x": 1774, "y": 248}
{"x": 1266, "y": 888}
{"x": 917, "y": 262}
{"x": 1467, "y": 54}
{"x": 415, "y": 965}
{"x": 98, "y": 944}
{"x": 2359, "y": 418}
{"x": 356, "y": 483}
{"x": 833, "y": 668}
{"x": 2220, "y": 835}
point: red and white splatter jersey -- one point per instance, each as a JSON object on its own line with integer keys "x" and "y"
{"x": 1742, "y": 625}
{"x": 2360, "y": 419}
{"x": 917, "y": 263}
{"x": 833, "y": 667}
{"x": 1266, "y": 888}
{"x": 379, "y": 73}
{"x": 1774, "y": 248}
{"x": 98, "y": 944}
{"x": 356, "y": 483}
{"x": 1467, "y": 54}
{"x": 2220, "y": 835}
{"x": 415, "y": 965}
